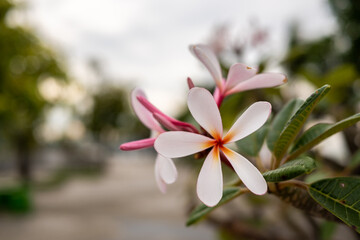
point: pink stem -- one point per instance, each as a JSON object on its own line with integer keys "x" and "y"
{"x": 218, "y": 96}
{"x": 139, "y": 144}
{"x": 154, "y": 110}
{"x": 220, "y": 100}
{"x": 165, "y": 122}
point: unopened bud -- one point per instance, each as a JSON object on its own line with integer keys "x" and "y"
{"x": 190, "y": 83}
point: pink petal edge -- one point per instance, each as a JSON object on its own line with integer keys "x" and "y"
{"x": 207, "y": 57}
{"x": 159, "y": 181}
{"x": 262, "y": 80}
{"x": 143, "y": 114}
{"x": 239, "y": 73}
{"x": 167, "y": 169}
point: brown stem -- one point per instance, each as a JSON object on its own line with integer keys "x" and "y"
{"x": 296, "y": 194}
{"x": 292, "y": 183}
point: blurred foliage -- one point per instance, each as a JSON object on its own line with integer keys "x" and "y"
{"x": 110, "y": 120}
{"x": 15, "y": 200}
{"x": 27, "y": 64}
{"x": 333, "y": 59}
{"x": 111, "y": 116}
{"x": 28, "y": 67}
{"x": 348, "y": 18}
{"x": 24, "y": 61}
{"x": 66, "y": 174}
{"x": 327, "y": 230}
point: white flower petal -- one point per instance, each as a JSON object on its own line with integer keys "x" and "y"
{"x": 238, "y": 73}
{"x": 210, "y": 180}
{"x": 247, "y": 172}
{"x": 262, "y": 80}
{"x": 167, "y": 169}
{"x": 208, "y": 58}
{"x": 159, "y": 181}
{"x": 143, "y": 114}
{"x": 205, "y": 111}
{"x": 265, "y": 156}
{"x": 179, "y": 144}
{"x": 250, "y": 121}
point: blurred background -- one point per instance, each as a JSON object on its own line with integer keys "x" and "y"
{"x": 66, "y": 72}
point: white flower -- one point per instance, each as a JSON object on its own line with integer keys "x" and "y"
{"x": 205, "y": 111}
{"x": 240, "y": 78}
{"x": 165, "y": 170}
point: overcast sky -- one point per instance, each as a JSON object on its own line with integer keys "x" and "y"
{"x": 145, "y": 42}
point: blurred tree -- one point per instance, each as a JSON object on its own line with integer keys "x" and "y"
{"x": 24, "y": 61}
{"x": 348, "y": 17}
{"x": 110, "y": 120}
{"x": 333, "y": 59}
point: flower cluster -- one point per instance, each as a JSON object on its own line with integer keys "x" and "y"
{"x": 184, "y": 139}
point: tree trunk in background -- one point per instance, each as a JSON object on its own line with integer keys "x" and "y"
{"x": 23, "y": 161}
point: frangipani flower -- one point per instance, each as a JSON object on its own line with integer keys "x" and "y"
{"x": 240, "y": 77}
{"x": 205, "y": 111}
{"x": 165, "y": 170}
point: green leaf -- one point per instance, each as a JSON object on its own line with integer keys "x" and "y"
{"x": 280, "y": 121}
{"x": 355, "y": 160}
{"x": 340, "y": 196}
{"x": 290, "y": 170}
{"x": 317, "y": 175}
{"x": 318, "y": 133}
{"x": 346, "y": 72}
{"x": 327, "y": 230}
{"x": 202, "y": 210}
{"x": 295, "y": 124}
{"x": 251, "y": 145}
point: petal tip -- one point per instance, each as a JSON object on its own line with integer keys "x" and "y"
{"x": 207, "y": 200}
{"x": 269, "y": 109}
{"x": 168, "y": 172}
{"x": 192, "y": 48}
{"x": 213, "y": 204}
{"x": 259, "y": 187}
{"x": 196, "y": 90}
{"x": 266, "y": 105}
{"x": 261, "y": 191}
{"x": 170, "y": 181}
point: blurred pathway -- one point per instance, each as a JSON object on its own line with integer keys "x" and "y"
{"x": 124, "y": 204}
